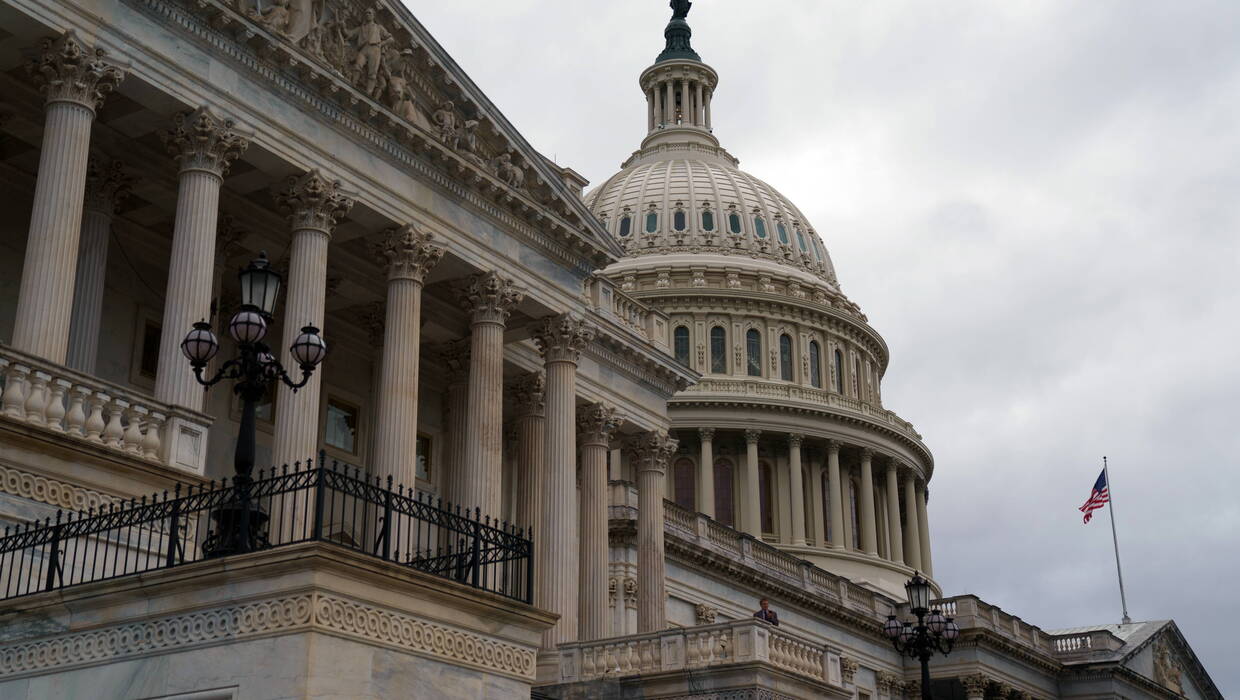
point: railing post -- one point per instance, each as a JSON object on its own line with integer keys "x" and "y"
{"x": 53, "y": 564}
{"x": 320, "y": 478}
{"x": 387, "y": 520}
{"x": 174, "y": 527}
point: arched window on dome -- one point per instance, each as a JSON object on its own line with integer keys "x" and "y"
{"x": 783, "y": 232}
{"x": 708, "y": 220}
{"x": 734, "y": 222}
{"x": 785, "y": 357}
{"x": 813, "y": 245}
{"x": 838, "y": 379}
{"x": 815, "y": 364}
{"x": 718, "y": 350}
{"x": 724, "y": 510}
{"x": 753, "y": 352}
{"x": 626, "y": 226}
{"x": 759, "y": 227}
{"x": 652, "y": 222}
{"x": 678, "y": 220}
{"x": 856, "y": 377}
{"x": 801, "y": 240}
{"x": 680, "y": 343}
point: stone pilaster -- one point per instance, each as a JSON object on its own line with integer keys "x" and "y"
{"x": 74, "y": 79}
{"x": 560, "y": 339}
{"x": 894, "y": 529}
{"x": 887, "y": 684}
{"x": 529, "y": 400}
{"x": 106, "y": 186}
{"x": 752, "y": 512}
{"x": 596, "y": 425}
{"x": 837, "y": 495}
{"x": 706, "y": 473}
{"x": 408, "y": 255}
{"x": 912, "y": 540}
{"x": 313, "y": 205}
{"x": 489, "y": 299}
{"x": 796, "y": 488}
{"x": 204, "y": 145}
{"x": 456, "y": 357}
{"x": 975, "y": 686}
{"x": 817, "y": 517}
{"x": 865, "y": 518}
{"x": 923, "y": 531}
{"x": 651, "y": 451}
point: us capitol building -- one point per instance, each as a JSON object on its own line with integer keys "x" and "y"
{"x": 562, "y": 441}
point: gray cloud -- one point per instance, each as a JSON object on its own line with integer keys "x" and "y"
{"x": 1034, "y": 202}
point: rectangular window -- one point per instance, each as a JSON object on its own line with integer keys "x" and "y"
{"x": 424, "y": 458}
{"x": 342, "y": 422}
{"x": 148, "y": 365}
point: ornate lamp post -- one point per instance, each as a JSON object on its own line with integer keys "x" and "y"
{"x": 933, "y": 632}
{"x": 240, "y": 522}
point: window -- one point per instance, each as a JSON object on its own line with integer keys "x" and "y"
{"x": 759, "y": 227}
{"x": 764, "y": 496}
{"x": 680, "y": 343}
{"x": 708, "y": 221}
{"x": 423, "y": 459}
{"x": 785, "y": 357}
{"x": 800, "y": 239}
{"x": 838, "y": 379}
{"x": 815, "y": 364}
{"x": 341, "y": 429}
{"x": 783, "y": 232}
{"x": 682, "y": 483}
{"x": 148, "y": 363}
{"x": 734, "y": 222}
{"x": 753, "y": 353}
{"x": 723, "y": 492}
{"x": 626, "y": 225}
{"x": 718, "y": 350}
{"x": 652, "y": 222}
{"x": 678, "y": 221}
{"x": 856, "y": 378}
{"x": 814, "y": 247}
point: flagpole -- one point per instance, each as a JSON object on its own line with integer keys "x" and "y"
{"x": 1123, "y": 601}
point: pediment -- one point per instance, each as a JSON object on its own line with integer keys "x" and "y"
{"x": 1173, "y": 664}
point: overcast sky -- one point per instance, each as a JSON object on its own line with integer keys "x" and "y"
{"x": 1036, "y": 204}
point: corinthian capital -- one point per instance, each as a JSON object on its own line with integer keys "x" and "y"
{"x": 562, "y": 338}
{"x": 752, "y": 436}
{"x": 975, "y": 685}
{"x": 652, "y": 450}
{"x": 529, "y": 394}
{"x": 408, "y": 253}
{"x": 488, "y": 297}
{"x": 312, "y": 202}
{"x": 201, "y": 140}
{"x": 68, "y": 71}
{"x": 106, "y": 184}
{"x": 597, "y": 423}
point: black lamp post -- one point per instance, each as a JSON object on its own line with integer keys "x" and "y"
{"x": 239, "y": 522}
{"x": 933, "y": 632}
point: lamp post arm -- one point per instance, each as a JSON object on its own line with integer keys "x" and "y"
{"x": 228, "y": 370}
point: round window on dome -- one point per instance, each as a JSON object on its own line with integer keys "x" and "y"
{"x": 708, "y": 221}
{"x": 652, "y": 222}
{"x": 734, "y": 223}
{"x": 759, "y": 227}
{"x": 783, "y": 232}
{"x": 678, "y": 221}
{"x": 626, "y": 226}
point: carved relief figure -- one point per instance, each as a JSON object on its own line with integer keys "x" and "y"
{"x": 1166, "y": 672}
{"x": 508, "y": 171}
{"x": 303, "y": 18}
{"x": 469, "y": 143}
{"x": 445, "y": 119}
{"x": 276, "y": 18}
{"x": 405, "y": 107}
{"x": 369, "y": 38}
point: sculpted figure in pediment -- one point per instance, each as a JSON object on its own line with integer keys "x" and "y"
{"x": 508, "y": 171}
{"x": 369, "y": 39}
{"x": 303, "y": 17}
{"x": 404, "y": 106}
{"x": 275, "y": 18}
{"x": 449, "y": 126}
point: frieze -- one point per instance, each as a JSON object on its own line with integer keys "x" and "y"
{"x": 51, "y": 491}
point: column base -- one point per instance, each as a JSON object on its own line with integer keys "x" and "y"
{"x": 548, "y": 670}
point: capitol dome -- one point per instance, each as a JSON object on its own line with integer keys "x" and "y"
{"x": 785, "y": 436}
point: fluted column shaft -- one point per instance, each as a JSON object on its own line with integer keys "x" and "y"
{"x": 596, "y": 425}
{"x": 408, "y": 254}
{"x": 652, "y": 452}
{"x": 837, "y": 495}
{"x": 894, "y": 530}
{"x": 456, "y": 407}
{"x": 706, "y": 474}
{"x": 923, "y": 531}
{"x": 912, "y": 538}
{"x": 867, "y": 521}
{"x": 752, "y": 514}
{"x": 557, "y": 546}
{"x": 796, "y": 488}
{"x": 528, "y": 395}
{"x": 817, "y": 517}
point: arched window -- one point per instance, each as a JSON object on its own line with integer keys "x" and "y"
{"x": 678, "y": 221}
{"x": 838, "y": 379}
{"x": 680, "y": 343}
{"x": 856, "y": 378}
{"x": 652, "y": 222}
{"x": 734, "y": 222}
{"x": 814, "y": 247}
{"x": 708, "y": 221}
{"x": 800, "y": 239}
{"x": 718, "y": 350}
{"x": 759, "y": 227}
{"x": 815, "y": 364}
{"x": 723, "y": 492}
{"x": 682, "y": 483}
{"x": 785, "y": 357}
{"x": 765, "y": 490}
{"x": 783, "y": 232}
{"x": 753, "y": 352}
{"x": 626, "y": 225}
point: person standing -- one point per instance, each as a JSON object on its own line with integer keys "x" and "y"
{"x": 766, "y": 614}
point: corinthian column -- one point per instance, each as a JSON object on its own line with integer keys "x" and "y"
{"x": 596, "y": 425}
{"x": 74, "y": 80}
{"x": 313, "y": 205}
{"x": 529, "y": 400}
{"x": 706, "y": 474}
{"x": 868, "y": 522}
{"x": 560, "y": 340}
{"x": 204, "y": 146}
{"x": 796, "y": 486}
{"x": 895, "y": 533}
{"x": 489, "y": 299}
{"x": 652, "y": 451}
{"x": 923, "y": 531}
{"x": 752, "y": 513}
{"x": 912, "y": 540}
{"x": 408, "y": 254}
{"x": 816, "y": 505}
{"x": 835, "y": 487}
{"x": 106, "y": 186}
{"x": 455, "y": 356}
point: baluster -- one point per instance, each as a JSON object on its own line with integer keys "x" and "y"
{"x": 647, "y": 658}
{"x": 151, "y": 442}
{"x": 56, "y": 404}
{"x": 94, "y": 423}
{"x": 587, "y": 663}
{"x": 15, "y": 391}
{"x": 114, "y": 432}
{"x": 693, "y": 651}
{"x": 36, "y": 403}
{"x": 133, "y": 430}
{"x": 75, "y": 419}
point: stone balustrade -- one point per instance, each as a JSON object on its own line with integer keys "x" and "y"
{"x": 52, "y": 398}
{"x": 643, "y": 320}
{"x": 970, "y": 612}
{"x": 735, "y": 642}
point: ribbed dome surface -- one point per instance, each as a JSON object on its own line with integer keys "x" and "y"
{"x": 676, "y": 205}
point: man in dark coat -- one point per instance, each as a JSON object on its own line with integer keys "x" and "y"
{"x": 766, "y": 614}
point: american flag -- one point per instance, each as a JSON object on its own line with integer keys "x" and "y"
{"x": 1098, "y": 497}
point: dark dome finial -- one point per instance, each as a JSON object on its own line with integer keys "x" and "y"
{"x": 678, "y": 34}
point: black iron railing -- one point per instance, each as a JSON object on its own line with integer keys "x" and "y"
{"x": 333, "y": 503}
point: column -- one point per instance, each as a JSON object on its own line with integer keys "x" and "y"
{"x": 489, "y": 299}
{"x": 596, "y": 424}
{"x": 796, "y": 489}
{"x": 313, "y": 205}
{"x": 652, "y": 451}
{"x": 865, "y": 517}
{"x": 204, "y": 146}
{"x": 923, "y": 530}
{"x": 816, "y": 504}
{"x": 837, "y": 495}
{"x": 912, "y": 540}
{"x": 706, "y": 474}
{"x": 975, "y": 686}
{"x": 751, "y": 514}
{"x": 652, "y": 112}
{"x": 850, "y": 510}
{"x": 697, "y": 105}
{"x": 709, "y": 95}
{"x": 74, "y": 80}
{"x": 560, "y": 339}
{"x": 528, "y": 401}
{"x": 685, "y": 116}
{"x": 455, "y": 356}
{"x": 106, "y": 185}
{"x": 408, "y": 255}
{"x": 896, "y": 536}
{"x": 669, "y": 105}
